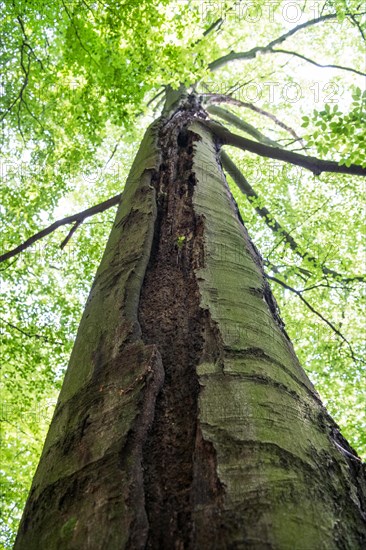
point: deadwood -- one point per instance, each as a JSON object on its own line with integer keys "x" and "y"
{"x": 223, "y": 98}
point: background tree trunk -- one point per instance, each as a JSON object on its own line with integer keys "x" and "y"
{"x": 185, "y": 419}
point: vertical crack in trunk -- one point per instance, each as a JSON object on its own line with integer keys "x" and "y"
{"x": 177, "y": 463}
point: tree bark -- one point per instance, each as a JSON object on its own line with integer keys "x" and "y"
{"x": 185, "y": 419}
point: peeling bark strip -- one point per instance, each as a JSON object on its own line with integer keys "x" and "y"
{"x": 185, "y": 420}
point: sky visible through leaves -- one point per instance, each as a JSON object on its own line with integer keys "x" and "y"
{"x": 80, "y": 83}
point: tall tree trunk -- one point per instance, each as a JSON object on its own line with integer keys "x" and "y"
{"x": 185, "y": 419}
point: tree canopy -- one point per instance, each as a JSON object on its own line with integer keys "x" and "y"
{"x": 80, "y": 83}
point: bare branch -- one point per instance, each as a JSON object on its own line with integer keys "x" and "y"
{"x": 315, "y": 165}
{"x": 251, "y": 54}
{"x": 298, "y": 293}
{"x": 328, "y": 66}
{"x": 158, "y": 94}
{"x": 70, "y": 234}
{"x": 221, "y": 98}
{"x": 114, "y": 151}
{"x": 357, "y": 24}
{"x": 29, "y": 335}
{"x": 218, "y": 23}
{"x": 298, "y": 28}
{"x": 274, "y": 225}
{"x": 241, "y": 124}
{"x": 321, "y": 285}
{"x": 80, "y": 217}
{"x": 248, "y": 190}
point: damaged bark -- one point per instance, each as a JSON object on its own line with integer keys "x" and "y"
{"x": 185, "y": 419}
{"x": 176, "y": 481}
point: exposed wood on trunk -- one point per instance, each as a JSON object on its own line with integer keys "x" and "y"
{"x": 179, "y": 466}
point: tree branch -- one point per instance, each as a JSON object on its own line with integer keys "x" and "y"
{"x": 305, "y": 273}
{"x": 273, "y": 224}
{"x": 357, "y": 24}
{"x": 315, "y": 165}
{"x": 29, "y": 335}
{"x": 26, "y": 43}
{"x": 313, "y": 310}
{"x": 251, "y": 54}
{"x": 71, "y": 19}
{"x": 218, "y": 23}
{"x": 222, "y": 98}
{"x": 241, "y": 124}
{"x": 328, "y": 66}
{"x": 19, "y": 97}
{"x": 79, "y": 218}
{"x": 156, "y": 96}
{"x": 298, "y": 28}
{"x": 248, "y": 190}
{"x": 70, "y": 234}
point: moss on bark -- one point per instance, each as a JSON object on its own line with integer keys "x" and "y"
{"x": 185, "y": 419}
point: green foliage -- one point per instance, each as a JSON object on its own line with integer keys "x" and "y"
{"x": 180, "y": 241}
{"x": 80, "y": 84}
{"x": 341, "y": 133}
{"x": 344, "y": 7}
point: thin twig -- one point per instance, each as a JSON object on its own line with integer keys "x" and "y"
{"x": 222, "y": 98}
{"x": 298, "y": 293}
{"x": 29, "y": 335}
{"x": 19, "y": 97}
{"x": 327, "y": 66}
{"x": 273, "y": 224}
{"x": 357, "y": 24}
